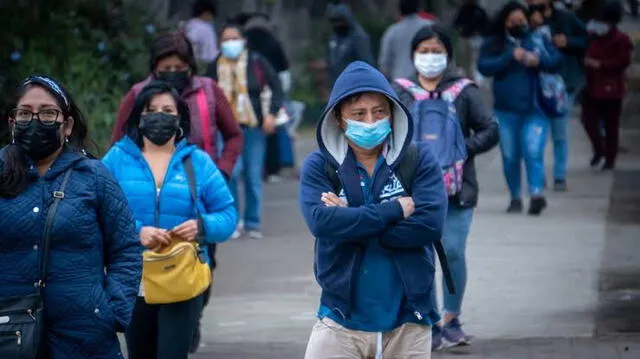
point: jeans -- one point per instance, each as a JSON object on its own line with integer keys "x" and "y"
{"x": 560, "y": 136}
{"x": 523, "y": 136}
{"x": 251, "y": 165}
{"x": 454, "y": 240}
{"x": 162, "y": 331}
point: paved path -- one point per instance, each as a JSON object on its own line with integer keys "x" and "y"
{"x": 529, "y": 277}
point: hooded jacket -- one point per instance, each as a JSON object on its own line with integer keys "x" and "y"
{"x": 355, "y": 45}
{"x": 478, "y": 125}
{"x": 343, "y": 233}
{"x": 172, "y": 205}
{"x": 95, "y": 256}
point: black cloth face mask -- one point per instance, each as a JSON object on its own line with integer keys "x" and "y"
{"x": 159, "y": 127}
{"x": 518, "y": 31}
{"x": 37, "y": 140}
{"x": 179, "y": 80}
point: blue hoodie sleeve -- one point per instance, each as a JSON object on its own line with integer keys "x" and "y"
{"x": 552, "y": 59}
{"x": 122, "y": 248}
{"x": 220, "y": 216}
{"x": 111, "y": 161}
{"x": 490, "y": 63}
{"x": 425, "y": 225}
{"x": 340, "y": 223}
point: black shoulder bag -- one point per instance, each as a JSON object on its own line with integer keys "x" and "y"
{"x": 22, "y": 318}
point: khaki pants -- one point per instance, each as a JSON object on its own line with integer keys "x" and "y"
{"x": 330, "y": 340}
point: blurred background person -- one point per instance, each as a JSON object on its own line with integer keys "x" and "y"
{"x": 200, "y": 30}
{"x": 472, "y": 23}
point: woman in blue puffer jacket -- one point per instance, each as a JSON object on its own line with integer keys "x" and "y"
{"x": 512, "y": 57}
{"x": 94, "y": 257}
{"x": 148, "y": 163}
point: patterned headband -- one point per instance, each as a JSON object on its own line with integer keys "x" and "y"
{"x": 51, "y": 85}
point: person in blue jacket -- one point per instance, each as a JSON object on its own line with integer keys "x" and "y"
{"x": 510, "y": 57}
{"x": 94, "y": 261}
{"x": 148, "y": 164}
{"x": 373, "y": 252}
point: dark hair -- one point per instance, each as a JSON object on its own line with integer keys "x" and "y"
{"x": 429, "y": 32}
{"x": 337, "y": 109}
{"x": 169, "y": 44}
{"x": 142, "y": 102}
{"x": 201, "y": 6}
{"x": 232, "y": 24}
{"x": 610, "y": 12}
{"x": 13, "y": 178}
{"x": 408, "y": 7}
{"x": 498, "y": 28}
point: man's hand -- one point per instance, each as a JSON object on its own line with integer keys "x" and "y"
{"x": 592, "y": 63}
{"x": 531, "y": 60}
{"x": 408, "y": 207}
{"x": 519, "y": 54}
{"x": 560, "y": 40}
{"x": 187, "y": 231}
{"x": 331, "y": 200}
{"x": 269, "y": 124}
{"x": 152, "y": 237}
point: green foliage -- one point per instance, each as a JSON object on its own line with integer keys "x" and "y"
{"x": 96, "y": 49}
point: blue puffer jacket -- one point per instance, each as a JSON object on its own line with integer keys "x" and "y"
{"x": 173, "y": 203}
{"x": 93, "y": 230}
{"x": 515, "y": 86}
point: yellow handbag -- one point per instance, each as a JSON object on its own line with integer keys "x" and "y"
{"x": 180, "y": 271}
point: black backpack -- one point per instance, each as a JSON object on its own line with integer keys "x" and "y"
{"x": 405, "y": 171}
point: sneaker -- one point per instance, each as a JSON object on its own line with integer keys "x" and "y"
{"x": 515, "y": 206}
{"x": 453, "y": 333}
{"x": 437, "y": 340}
{"x": 608, "y": 166}
{"x": 255, "y": 234}
{"x": 239, "y": 230}
{"x": 537, "y": 205}
{"x": 274, "y": 179}
{"x": 560, "y": 185}
{"x": 595, "y": 160}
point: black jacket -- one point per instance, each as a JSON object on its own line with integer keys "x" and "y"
{"x": 260, "y": 73}
{"x": 479, "y": 127}
{"x": 572, "y": 70}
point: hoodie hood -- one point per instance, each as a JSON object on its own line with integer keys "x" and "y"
{"x": 360, "y": 77}
{"x": 342, "y": 12}
{"x": 183, "y": 148}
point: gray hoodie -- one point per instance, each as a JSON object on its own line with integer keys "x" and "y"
{"x": 395, "y": 59}
{"x": 355, "y": 45}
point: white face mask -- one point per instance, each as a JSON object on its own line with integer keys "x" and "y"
{"x": 430, "y": 65}
{"x": 598, "y": 28}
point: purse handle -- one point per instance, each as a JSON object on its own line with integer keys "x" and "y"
{"x": 44, "y": 259}
{"x": 193, "y": 189}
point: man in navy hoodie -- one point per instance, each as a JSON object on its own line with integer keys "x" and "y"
{"x": 373, "y": 253}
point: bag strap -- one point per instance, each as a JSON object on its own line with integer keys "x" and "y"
{"x": 46, "y": 243}
{"x": 193, "y": 190}
{"x": 416, "y": 91}
{"x": 332, "y": 173}
{"x": 406, "y": 171}
{"x": 452, "y": 93}
{"x": 205, "y": 120}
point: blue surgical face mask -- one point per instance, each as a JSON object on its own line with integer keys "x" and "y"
{"x": 232, "y": 48}
{"x": 368, "y": 136}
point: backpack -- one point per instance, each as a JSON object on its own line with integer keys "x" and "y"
{"x": 552, "y": 91}
{"x": 405, "y": 171}
{"x": 435, "y": 122}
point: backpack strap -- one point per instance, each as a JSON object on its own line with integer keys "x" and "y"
{"x": 416, "y": 91}
{"x": 406, "y": 171}
{"x": 332, "y": 173}
{"x": 452, "y": 93}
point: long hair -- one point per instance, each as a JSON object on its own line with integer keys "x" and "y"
{"x": 498, "y": 30}
{"x": 142, "y": 103}
{"x": 13, "y": 178}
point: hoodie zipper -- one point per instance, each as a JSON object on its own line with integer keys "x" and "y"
{"x": 157, "y": 190}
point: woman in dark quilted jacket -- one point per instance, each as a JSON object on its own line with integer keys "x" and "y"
{"x": 607, "y": 59}
{"x": 94, "y": 257}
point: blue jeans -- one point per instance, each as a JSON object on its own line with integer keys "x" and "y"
{"x": 454, "y": 241}
{"x": 251, "y": 165}
{"x": 560, "y": 137}
{"x": 523, "y": 136}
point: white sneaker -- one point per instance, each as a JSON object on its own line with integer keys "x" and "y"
{"x": 255, "y": 235}
{"x": 274, "y": 179}
{"x": 239, "y": 230}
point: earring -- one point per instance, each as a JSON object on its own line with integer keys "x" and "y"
{"x": 66, "y": 139}
{"x": 181, "y": 133}
{"x": 13, "y": 136}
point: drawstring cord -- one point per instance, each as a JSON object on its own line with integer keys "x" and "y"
{"x": 379, "y": 345}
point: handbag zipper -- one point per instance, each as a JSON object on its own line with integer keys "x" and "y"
{"x": 17, "y": 335}
{"x": 28, "y": 311}
{"x": 168, "y": 256}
